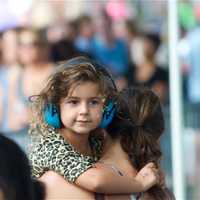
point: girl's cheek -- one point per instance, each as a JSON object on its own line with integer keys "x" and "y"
{"x": 99, "y": 116}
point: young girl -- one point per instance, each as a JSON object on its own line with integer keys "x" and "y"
{"x": 132, "y": 141}
{"x": 77, "y": 100}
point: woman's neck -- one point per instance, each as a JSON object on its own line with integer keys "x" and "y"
{"x": 111, "y": 146}
{"x": 79, "y": 141}
{"x": 115, "y": 155}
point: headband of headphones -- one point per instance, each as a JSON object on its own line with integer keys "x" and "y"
{"x": 97, "y": 67}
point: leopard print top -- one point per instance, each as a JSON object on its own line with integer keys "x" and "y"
{"x": 52, "y": 152}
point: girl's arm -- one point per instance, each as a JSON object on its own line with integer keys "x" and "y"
{"x": 57, "y": 187}
{"x": 103, "y": 179}
{"x": 79, "y": 169}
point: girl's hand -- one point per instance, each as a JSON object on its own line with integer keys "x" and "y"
{"x": 148, "y": 176}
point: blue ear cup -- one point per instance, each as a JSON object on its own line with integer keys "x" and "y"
{"x": 52, "y": 115}
{"x": 108, "y": 114}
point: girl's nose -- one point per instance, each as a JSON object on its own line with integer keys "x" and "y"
{"x": 83, "y": 108}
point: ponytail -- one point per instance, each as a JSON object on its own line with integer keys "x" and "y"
{"x": 139, "y": 124}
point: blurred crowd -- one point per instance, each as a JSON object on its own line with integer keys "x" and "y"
{"x": 29, "y": 55}
{"x": 133, "y": 55}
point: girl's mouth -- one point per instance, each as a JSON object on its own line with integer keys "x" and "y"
{"x": 83, "y": 121}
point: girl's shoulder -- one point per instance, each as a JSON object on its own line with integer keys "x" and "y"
{"x": 50, "y": 140}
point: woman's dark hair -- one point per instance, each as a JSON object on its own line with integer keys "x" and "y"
{"x": 139, "y": 123}
{"x": 15, "y": 174}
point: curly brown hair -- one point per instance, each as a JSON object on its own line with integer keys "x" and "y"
{"x": 66, "y": 77}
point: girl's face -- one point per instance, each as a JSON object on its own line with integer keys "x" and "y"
{"x": 81, "y": 110}
{"x": 28, "y": 48}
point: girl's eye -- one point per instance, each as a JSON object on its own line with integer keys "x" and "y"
{"x": 94, "y": 102}
{"x": 72, "y": 102}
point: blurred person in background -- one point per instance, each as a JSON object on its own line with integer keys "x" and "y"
{"x": 9, "y": 47}
{"x": 189, "y": 52}
{"x": 109, "y": 50}
{"x": 1, "y": 89}
{"x": 27, "y": 80}
{"x": 9, "y": 67}
{"x": 61, "y": 41}
{"x": 145, "y": 70}
{"x": 85, "y": 36}
{"x": 9, "y": 61}
{"x": 0, "y": 49}
{"x": 9, "y": 54}
{"x": 34, "y": 57}
{"x": 15, "y": 174}
{"x": 133, "y": 39}
{"x": 189, "y": 49}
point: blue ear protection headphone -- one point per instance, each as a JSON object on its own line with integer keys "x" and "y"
{"x": 52, "y": 112}
{"x": 52, "y": 115}
{"x": 108, "y": 114}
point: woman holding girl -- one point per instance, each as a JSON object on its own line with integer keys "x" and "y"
{"x": 74, "y": 107}
{"x": 131, "y": 142}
